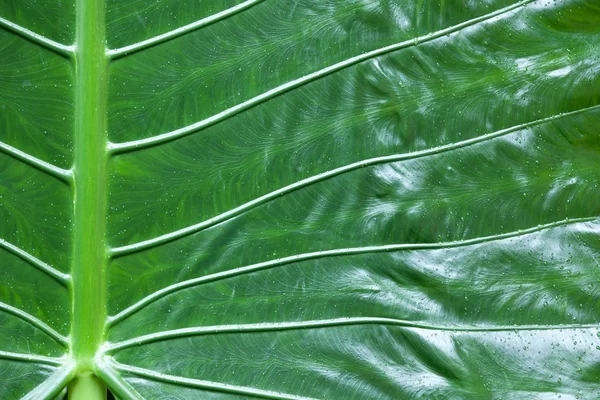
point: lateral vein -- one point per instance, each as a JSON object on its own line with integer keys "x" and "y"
{"x": 58, "y": 276}
{"x": 165, "y": 37}
{"x": 31, "y": 358}
{"x": 35, "y": 322}
{"x": 326, "y": 323}
{"x": 43, "y": 41}
{"x": 204, "y": 384}
{"x": 115, "y": 148}
{"x": 162, "y": 293}
{"x": 113, "y": 379}
{"x": 52, "y": 170}
{"x": 169, "y": 237}
{"x": 50, "y": 388}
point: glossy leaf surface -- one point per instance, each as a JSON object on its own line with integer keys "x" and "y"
{"x": 326, "y": 199}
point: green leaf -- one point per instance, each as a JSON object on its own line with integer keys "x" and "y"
{"x": 360, "y": 199}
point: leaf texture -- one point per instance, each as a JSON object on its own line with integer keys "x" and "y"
{"x": 361, "y": 199}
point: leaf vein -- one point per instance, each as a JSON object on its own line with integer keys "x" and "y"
{"x": 115, "y": 148}
{"x": 52, "y": 386}
{"x": 31, "y": 358}
{"x": 169, "y": 237}
{"x": 326, "y": 323}
{"x": 58, "y": 48}
{"x": 52, "y": 170}
{"x": 35, "y": 322}
{"x": 203, "y": 384}
{"x": 162, "y": 293}
{"x": 118, "y": 386}
{"x": 58, "y": 276}
{"x": 165, "y": 37}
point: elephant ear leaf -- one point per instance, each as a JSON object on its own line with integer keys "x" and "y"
{"x": 311, "y": 199}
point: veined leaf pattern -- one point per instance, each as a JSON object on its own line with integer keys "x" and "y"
{"x": 304, "y": 199}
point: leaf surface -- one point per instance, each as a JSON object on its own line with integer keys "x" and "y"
{"x": 302, "y": 199}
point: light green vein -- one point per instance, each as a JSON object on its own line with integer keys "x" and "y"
{"x": 326, "y": 323}
{"x": 36, "y": 38}
{"x": 52, "y": 170}
{"x": 159, "y": 294}
{"x": 156, "y": 40}
{"x": 31, "y": 358}
{"x": 206, "y": 385}
{"x": 118, "y": 386}
{"x": 58, "y": 276}
{"x": 169, "y": 237}
{"x": 115, "y": 148}
{"x": 57, "y": 382}
{"x": 35, "y": 322}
